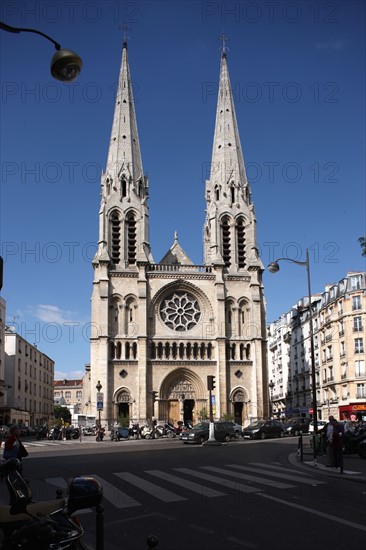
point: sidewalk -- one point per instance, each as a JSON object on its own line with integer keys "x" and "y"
{"x": 354, "y": 467}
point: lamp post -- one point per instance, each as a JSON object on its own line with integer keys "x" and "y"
{"x": 99, "y": 407}
{"x": 274, "y": 268}
{"x": 65, "y": 64}
{"x": 271, "y": 386}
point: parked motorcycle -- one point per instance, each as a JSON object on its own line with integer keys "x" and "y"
{"x": 134, "y": 431}
{"x": 42, "y": 433}
{"x": 147, "y": 432}
{"x": 55, "y": 433}
{"x": 355, "y": 443}
{"x": 100, "y": 434}
{"x": 45, "y": 525}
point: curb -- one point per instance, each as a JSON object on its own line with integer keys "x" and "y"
{"x": 330, "y": 472}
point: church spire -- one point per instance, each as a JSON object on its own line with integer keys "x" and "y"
{"x": 229, "y": 211}
{"x": 227, "y": 157}
{"x": 124, "y": 148}
{"x": 124, "y": 215}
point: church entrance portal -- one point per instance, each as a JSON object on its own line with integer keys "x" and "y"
{"x": 188, "y": 407}
{"x": 238, "y": 413}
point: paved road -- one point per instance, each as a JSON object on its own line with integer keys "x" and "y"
{"x": 240, "y": 495}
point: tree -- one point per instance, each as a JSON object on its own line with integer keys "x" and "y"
{"x": 62, "y": 413}
{"x": 362, "y": 241}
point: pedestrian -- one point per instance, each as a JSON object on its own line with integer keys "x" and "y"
{"x": 337, "y": 442}
{"x": 13, "y": 447}
{"x": 328, "y": 437}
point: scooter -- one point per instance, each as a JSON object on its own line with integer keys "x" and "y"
{"x": 49, "y": 524}
{"x": 147, "y": 433}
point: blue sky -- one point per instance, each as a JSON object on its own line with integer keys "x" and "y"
{"x": 298, "y": 78}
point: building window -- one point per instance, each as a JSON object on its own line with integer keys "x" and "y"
{"x": 131, "y": 239}
{"x": 240, "y": 236}
{"x": 226, "y": 242}
{"x": 357, "y": 324}
{"x": 79, "y": 394}
{"x": 115, "y": 237}
{"x": 67, "y": 394}
{"x": 358, "y": 345}
{"x": 360, "y": 368}
{"x": 355, "y": 282}
{"x": 356, "y": 302}
{"x": 360, "y": 391}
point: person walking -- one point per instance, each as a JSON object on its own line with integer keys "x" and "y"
{"x": 13, "y": 447}
{"x": 328, "y": 437}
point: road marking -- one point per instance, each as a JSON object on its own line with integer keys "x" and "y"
{"x": 241, "y": 542}
{"x": 273, "y": 467}
{"x": 261, "y": 480}
{"x": 281, "y": 476}
{"x": 315, "y": 512}
{"x": 116, "y": 497}
{"x": 220, "y": 480}
{"x": 190, "y": 485}
{"x": 151, "y": 488}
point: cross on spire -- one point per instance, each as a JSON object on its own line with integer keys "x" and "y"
{"x": 125, "y": 28}
{"x": 223, "y": 39}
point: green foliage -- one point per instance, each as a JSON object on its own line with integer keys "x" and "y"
{"x": 202, "y": 414}
{"x": 362, "y": 241}
{"x": 124, "y": 421}
{"x": 227, "y": 418}
{"x": 62, "y": 413}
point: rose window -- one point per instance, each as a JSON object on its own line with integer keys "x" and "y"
{"x": 180, "y": 311}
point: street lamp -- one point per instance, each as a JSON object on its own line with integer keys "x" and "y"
{"x": 271, "y": 385}
{"x": 274, "y": 268}
{"x": 65, "y": 64}
{"x": 98, "y": 388}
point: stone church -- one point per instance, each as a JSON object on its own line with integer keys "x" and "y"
{"x": 160, "y": 328}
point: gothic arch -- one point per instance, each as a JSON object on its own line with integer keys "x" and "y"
{"x": 186, "y": 377}
{"x": 122, "y": 395}
{"x": 238, "y": 394}
{"x": 114, "y": 228}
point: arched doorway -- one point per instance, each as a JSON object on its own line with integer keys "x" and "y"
{"x": 238, "y": 400}
{"x": 183, "y": 395}
{"x": 122, "y": 404}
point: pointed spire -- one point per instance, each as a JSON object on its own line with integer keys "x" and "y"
{"x": 227, "y": 158}
{"x": 124, "y": 149}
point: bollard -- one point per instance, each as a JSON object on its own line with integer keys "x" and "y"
{"x": 300, "y": 448}
{"x": 152, "y": 542}
{"x": 99, "y": 523}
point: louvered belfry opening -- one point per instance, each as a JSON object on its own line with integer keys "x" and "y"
{"x": 131, "y": 239}
{"x": 240, "y": 235}
{"x": 115, "y": 238}
{"x": 226, "y": 244}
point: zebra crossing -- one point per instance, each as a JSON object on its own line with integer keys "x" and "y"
{"x": 181, "y": 484}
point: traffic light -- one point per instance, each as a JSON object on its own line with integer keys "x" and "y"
{"x": 211, "y": 382}
{"x": 154, "y": 395}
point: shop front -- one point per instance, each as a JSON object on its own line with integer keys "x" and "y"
{"x": 353, "y": 411}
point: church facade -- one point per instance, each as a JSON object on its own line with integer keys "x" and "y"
{"x": 159, "y": 329}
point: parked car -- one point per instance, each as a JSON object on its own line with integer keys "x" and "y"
{"x": 321, "y": 425}
{"x": 297, "y": 425}
{"x": 235, "y": 428}
{"x": 200, "y": 433}
{"x": 264, "y": 429}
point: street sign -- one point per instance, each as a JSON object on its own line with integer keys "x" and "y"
{"x": 99, "y": 401}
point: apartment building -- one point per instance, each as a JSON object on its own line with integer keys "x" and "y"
{"x": 28, "y": 379}
{"x": 69, "y": 393}
{"x": 339, "y": 336}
